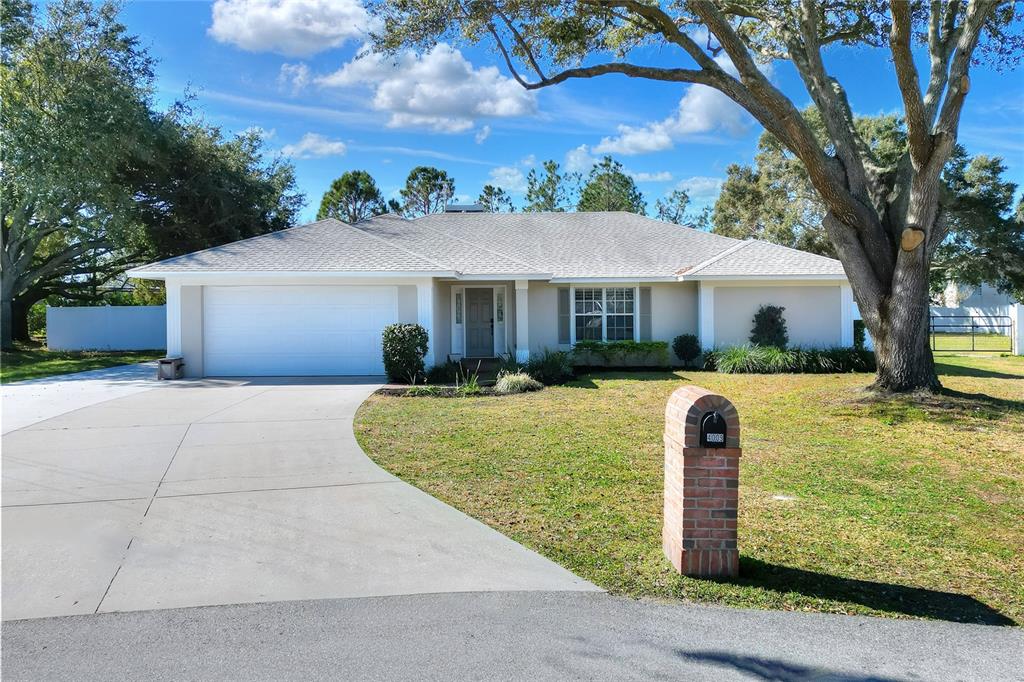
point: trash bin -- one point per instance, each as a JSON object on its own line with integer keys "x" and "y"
{"x": 169, "y": 368}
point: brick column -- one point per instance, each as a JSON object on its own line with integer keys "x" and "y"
{"x": 701, "y": 487}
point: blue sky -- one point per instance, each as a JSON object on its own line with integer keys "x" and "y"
{"x": 290, "y": 67}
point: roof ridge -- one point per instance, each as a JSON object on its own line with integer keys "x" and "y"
{"x": 714, "y": 259}
{"x": 393, "y": 245}
{"x": 238, "y": 241}
{"x": 482, "y": 248}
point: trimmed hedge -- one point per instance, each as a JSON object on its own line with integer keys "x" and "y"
{"x": 752, "y": 359}
{"x": 686, "y": 347}
{"x": 622, "y": 353}
{"x": 404, "y": 346}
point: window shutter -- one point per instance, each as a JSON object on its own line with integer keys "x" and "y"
{"x": 564, "y": 317}
{"x": 645, "y": 313}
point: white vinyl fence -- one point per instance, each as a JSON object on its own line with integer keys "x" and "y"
{"x": 142, "y": 327}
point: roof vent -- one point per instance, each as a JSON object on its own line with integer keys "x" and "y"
{"x": 464, "y": 208}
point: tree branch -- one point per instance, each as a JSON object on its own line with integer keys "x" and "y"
{"x": 910, "y": 88}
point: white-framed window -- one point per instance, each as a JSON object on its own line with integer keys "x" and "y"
{"x": 458, "y": 307}
{"x": 604, "y": 314}
{"x": 499, "y": 306}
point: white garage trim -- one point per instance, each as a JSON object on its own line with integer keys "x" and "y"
{"x": 296, "y": 330}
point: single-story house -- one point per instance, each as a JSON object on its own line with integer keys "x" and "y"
{"x": 313, "y": 299}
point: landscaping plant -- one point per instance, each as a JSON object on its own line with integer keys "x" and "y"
{"x": 686, "y": 347}
{"x": 404, "y": 346}
{"x": 519, "y": 382}
{"x": 751, "y": 359}
{"x": 550, "y": 367}
{"x": 769, "y": 327}
{"x": 444, "y": 373}
{"x": 620, "y": 353}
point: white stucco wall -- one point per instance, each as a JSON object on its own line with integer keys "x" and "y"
{"x": 106, "y": 328}
{"x": 543, "y": 303}
{"x": 673, "y": 311}
{"x": 442, "y": 321}
{"x": 812, "y": 313}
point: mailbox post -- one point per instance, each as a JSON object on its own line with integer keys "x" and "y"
{"x": 702, "y": 457}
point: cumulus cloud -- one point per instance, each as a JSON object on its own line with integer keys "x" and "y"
{"x": 294, "y": 77}
{"x": 314, "y": 146}
{"x": 701, "y": 110}
{"x": 296, "y": 28}
{"x": 440, "y": 89}
{"x": 508, "y": 178}
{"x": 701, "y": 187}
{"x": 482, "y": 134}
{"x": 579, "y": 159}
{"x": 662, "y": 176}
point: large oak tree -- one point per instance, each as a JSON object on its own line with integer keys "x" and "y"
{"x": 885, "y": 227}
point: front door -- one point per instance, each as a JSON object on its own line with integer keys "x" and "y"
{"x": 479, "y": 323}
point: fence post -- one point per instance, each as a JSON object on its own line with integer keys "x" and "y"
{"x": 1017, "y": 330}
{"x": 702, "y": 457}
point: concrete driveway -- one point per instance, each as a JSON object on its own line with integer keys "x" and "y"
{"x": 230, "y": 491}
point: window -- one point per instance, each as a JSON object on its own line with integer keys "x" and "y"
{"x": 499, "y": 308}
{"x": 458, "y": 307}
{"x": 604, "y": 314}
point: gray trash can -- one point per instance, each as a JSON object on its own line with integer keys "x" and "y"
{"x": 170, "y": 368}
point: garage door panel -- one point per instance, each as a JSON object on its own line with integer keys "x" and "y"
{"x": 296, "y": 330}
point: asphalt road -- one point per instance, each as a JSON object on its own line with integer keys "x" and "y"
{"x": 501, "y": 635}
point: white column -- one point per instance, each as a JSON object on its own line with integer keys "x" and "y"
{"x": 522, "y": 320}
{"x": 706, "y": 315}
{"x": 425, "y": 316}
{"x": 173, "y": 309}
{"x": 1017, "y": 319}
{"x": 846, "y": 316}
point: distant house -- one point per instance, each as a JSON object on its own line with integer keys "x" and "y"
{"x": 313, "y": 299}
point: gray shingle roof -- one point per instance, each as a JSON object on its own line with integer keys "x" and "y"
{"x": 557, "y": 245}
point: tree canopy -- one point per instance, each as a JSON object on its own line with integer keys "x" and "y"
{"x": 495, "y": 200}
{"x": 608, "y": 188}
{"x": 427, "y": 190}
{"x": 550, "y": 189}
{"x": 352, "y": 197}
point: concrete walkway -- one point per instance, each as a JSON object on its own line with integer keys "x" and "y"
{"x": 230, "y": 491}
{"x": 502, "y": 636}
{"x": 35, "y": 400}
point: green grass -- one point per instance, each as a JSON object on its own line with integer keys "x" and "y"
{"x": 848, "y": 503}
{"x": 33, "y": 362}
{"x": 993, "y": 343}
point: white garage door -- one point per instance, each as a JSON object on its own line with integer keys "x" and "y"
{"x": 295, "y": 330}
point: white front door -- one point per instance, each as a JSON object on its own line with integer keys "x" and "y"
{"x": 296, "y": 330}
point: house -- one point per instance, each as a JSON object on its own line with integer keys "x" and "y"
{"x": 313, "y": 299}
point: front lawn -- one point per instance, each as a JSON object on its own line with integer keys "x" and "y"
{"x": 32, "y": 362}
{"x": 847, "y": 504}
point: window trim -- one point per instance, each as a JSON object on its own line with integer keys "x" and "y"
{"x": 604, "y": 309}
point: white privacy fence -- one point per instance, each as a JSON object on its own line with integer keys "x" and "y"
{"x": 142, "y": 327}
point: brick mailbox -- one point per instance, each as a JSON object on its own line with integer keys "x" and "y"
{"x": 702, "y": 459}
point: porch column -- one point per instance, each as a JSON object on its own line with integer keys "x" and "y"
{"x": 522, "y": 320}
{"x": 425, "y": 316}
{"x": 846, "y": 316}
{"x": 173, "y": 310}
{"x": 706, "y": 315}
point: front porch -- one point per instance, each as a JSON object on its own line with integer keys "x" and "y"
{"x": 485, "y": 320}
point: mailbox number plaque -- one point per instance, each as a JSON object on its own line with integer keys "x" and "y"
{"x": 712, "y": 430}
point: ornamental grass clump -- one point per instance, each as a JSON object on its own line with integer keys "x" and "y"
{"x": 751, "y": 359}
{"x": 518, "y": 382}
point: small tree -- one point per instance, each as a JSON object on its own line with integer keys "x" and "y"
{"x": 427, "y": 190}
{"x": 404, "y": 346}
{"x": 686, "y": 347}
{"x": 352, "y": 197}
{"x": 495, "y": 200}
{"x": 769, "y": 327}
{"x": 609, "y": 189}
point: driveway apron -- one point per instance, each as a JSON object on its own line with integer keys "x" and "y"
{"x": 230, "y": 491}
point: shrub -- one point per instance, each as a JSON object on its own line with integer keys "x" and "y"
{"x": 420, "y": 391}
{"x": 518, "y": 382}
{"x": 748, "y": 359}
{"x": 507, "y": 364}
{"x": 769, "y": 327}
{"x": 623, "y": 353}
{"x": 550, "y": 367}
{"x": 445, "y": 373}
{"x": 859, "y": 334}
{"x": 468, "y": 383}
{"x": 686, "y": 347}
{"x": 404, "y": 346}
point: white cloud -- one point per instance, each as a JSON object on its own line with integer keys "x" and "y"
{"x": 440, "y": 90}
{"x": 296, "y": 28}
{"x": 529, "y": 161}
{"x": 700, "y": 187}
{"x": 579, "y": 159}
{"x": 313, "y": 146}
{"x": 482, "y": 134}
{"x": 662, "y": 176}
{"x": 261, "y": 131}
{"x": 294, "y": 77}
{"x": 509, "y": 178}
{"x": 701, "y": 110}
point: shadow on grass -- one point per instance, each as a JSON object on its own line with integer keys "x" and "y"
{"x": 911, "y": 601}
{"x": 585, "y": 377}
{"x": 945, "y": 369}
{"x": 983, "y": 399}
{"x": 772, "y": 669}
